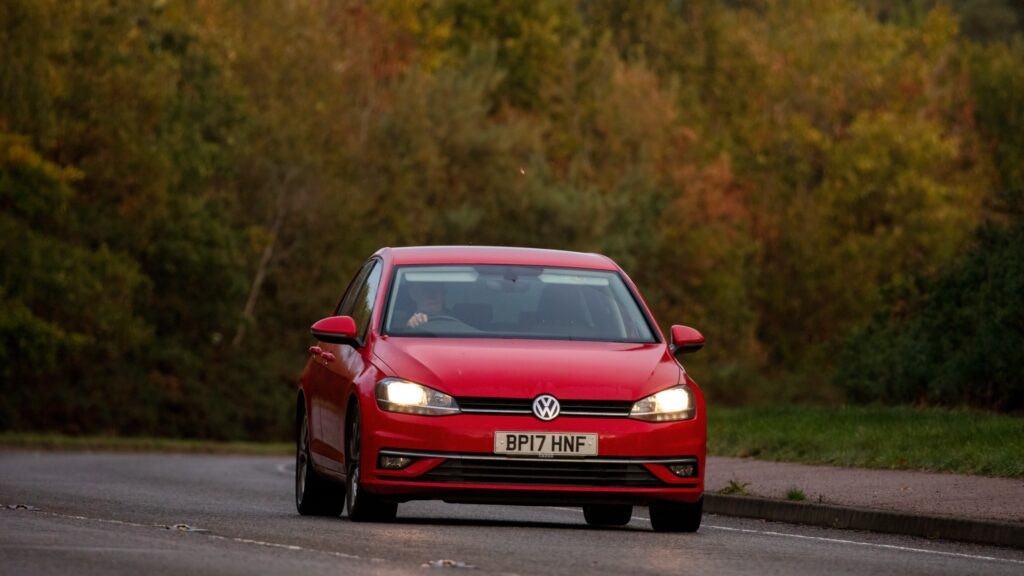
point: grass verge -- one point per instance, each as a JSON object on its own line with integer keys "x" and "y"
{"x": 962, "y": 441}
{"x": 33, "y": 441}
{"x": 904, "y": 438}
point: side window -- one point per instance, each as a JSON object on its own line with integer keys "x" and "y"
{"x": 345, "y": 306}
{"x": 366, "y": 295}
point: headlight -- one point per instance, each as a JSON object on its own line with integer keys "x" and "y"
{"x": 671, "y": 404}
{"x": 396, "y": 395}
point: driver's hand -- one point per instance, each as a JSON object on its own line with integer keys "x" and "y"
{"x": 416, "y": 320}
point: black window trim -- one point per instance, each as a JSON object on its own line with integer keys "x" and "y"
{"x": 357, "y": 281}
{"x": 365, "y": 329}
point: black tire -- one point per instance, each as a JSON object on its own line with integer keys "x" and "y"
{"x": 608, "y": 515}
{"x": 676, "y": 516}
{"x": 362, "y": 506}
{"x": 314, "y": 494}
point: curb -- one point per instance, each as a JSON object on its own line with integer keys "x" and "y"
{"x": 849, "y": 518}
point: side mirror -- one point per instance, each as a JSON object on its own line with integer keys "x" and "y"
{"x": 685, "y": 340}
{"x": 336, "y": 330}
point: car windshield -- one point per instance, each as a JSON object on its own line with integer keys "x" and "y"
{"x": 530, "y": 302}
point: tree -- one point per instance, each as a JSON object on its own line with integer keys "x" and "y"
{"x": 956, "y": 338}
{"x": 63, "y": 312}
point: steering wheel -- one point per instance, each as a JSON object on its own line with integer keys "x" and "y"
{"x": 443, "y": 318}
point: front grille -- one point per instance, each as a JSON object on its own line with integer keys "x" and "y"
{"x": 537, "y": 471}
{"x": 599, "y": 408}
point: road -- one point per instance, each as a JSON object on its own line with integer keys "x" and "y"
{"x": 189, "y": 514}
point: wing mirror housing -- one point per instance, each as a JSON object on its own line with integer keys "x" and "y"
{"x": 685, "y": 340}
{"x": 336, "y": 330}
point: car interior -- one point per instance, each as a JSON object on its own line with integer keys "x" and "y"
{"x": 492, "y": 305}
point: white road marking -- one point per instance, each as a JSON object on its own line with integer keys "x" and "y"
{"x": 101, "y": 520}
{"x": 284, "y": 468}
{"x": 871, "y": 544}
{"x": 836, "y": 541}
{"x": 57, "y": 547}
{"x": 576, "y": 510}
{"x": 292, "y": 547}
{"x": 209, "y": 535}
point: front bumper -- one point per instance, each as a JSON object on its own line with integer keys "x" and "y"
{"x": 454, "y": 460}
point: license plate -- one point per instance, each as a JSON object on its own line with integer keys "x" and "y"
{"x": 545, "y": 444}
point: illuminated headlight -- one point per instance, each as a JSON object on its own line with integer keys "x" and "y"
{"x": 672, "y": 404}
{"x": 396, "y": 395}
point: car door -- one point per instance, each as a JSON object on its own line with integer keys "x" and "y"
{"x": 316, "y": 382}
{"x": 344, "y": 363}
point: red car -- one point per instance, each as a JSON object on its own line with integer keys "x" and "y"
{"x": 499, "y": 375}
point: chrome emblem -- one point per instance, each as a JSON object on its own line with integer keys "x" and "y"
{"x": 546, "y": 407}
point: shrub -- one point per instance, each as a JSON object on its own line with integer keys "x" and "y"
{"x": 956, "y": 339}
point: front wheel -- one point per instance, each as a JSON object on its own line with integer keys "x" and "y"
{"x": 676, "y": 516}
{"x": 314, "y": 494}
{"x": 362, "y": 506}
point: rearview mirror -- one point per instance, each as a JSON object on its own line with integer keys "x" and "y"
{"x": 685, "y": 340}
{"x": 336, "y": 330}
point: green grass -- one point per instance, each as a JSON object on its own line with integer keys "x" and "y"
{"x": 796, "y": 495}
{"x": 962, "y": 441}
{"x": 735, "y": 487}
{"x": 904, "y": 438}
{"x": 32, "y": 441}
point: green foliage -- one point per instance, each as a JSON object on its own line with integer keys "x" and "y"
{"x": 998, "y": 78}
{"x": 194, "y": 258}
{"x": 63, "y": 442}
{"x": 193, "y": 183}
{"x": 735, "y": 487}
{"x": 983, "y": 20}
{"x": 850, "y": 159}
{"x": 899, "y": 438}
{"x": 62, "y": 305}
{"x": 528, "y": 40}
{"x": 958, "y": 338}
{"x": 796, "y": 495}
{"x": 32, "y": 189}
{"x": 119, "y": 269}
{"x": 26, "y": 89}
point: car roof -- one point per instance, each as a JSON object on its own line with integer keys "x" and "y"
{"x": 496, "y": 255}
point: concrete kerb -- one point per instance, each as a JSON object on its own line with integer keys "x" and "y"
{"x": 932, "y": 527}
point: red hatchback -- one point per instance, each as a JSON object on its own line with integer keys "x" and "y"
{"x": 499, "y": 375}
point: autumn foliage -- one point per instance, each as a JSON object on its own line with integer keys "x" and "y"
{"x": 186, "y": 185}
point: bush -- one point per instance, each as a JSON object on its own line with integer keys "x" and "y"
{"x": 956, "y": 339}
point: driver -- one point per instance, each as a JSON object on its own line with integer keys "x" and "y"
{"x": 429, "y": 299}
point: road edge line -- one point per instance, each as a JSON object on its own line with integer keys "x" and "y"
{"x": 849, "y": 518}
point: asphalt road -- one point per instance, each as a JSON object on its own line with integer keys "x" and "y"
{"x": 177, "y": 514}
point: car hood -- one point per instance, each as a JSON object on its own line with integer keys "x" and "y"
{"x": 502, "y": 368}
